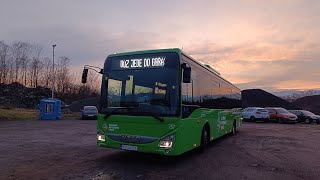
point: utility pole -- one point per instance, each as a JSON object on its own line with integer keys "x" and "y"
{"x": 53, "y": 74}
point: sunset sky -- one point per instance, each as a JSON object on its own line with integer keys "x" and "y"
{"x": 271, "y": 44}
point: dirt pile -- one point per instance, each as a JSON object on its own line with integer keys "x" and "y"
{"x": 310, "y": 103}
{"x": 261, "y": 98}
{"x": 16, "y": 95}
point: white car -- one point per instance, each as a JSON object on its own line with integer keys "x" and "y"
{"x": 255, "y": 113}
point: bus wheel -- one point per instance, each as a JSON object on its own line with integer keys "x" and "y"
{"x": 204, "y": 140}
{"x": 234, "y": 128}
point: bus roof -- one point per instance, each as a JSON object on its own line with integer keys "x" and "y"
{"x": 177, "y": 50}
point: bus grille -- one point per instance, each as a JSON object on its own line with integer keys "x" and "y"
{"x": 132, "y": 138}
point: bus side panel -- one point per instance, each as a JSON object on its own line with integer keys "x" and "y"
{"x": 188, "y": 135}
{"x": 190, "y": 131}
{"x": 222, "y": 122}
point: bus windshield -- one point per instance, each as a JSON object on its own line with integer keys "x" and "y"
{"x": 141, "y": 91}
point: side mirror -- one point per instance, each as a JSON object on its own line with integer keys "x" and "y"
{"x": 84, "y": 75}
{"x": 186, "y": 73}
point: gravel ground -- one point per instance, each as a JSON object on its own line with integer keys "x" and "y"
{"x": 67, "y": 149}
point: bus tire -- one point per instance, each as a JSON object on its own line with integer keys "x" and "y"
{"x": 204, "y": 139}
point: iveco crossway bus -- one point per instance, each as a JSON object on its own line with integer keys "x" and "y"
{"x": 163, "y": 102}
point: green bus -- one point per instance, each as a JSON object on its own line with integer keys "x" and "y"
{"x": 163, "y": 102}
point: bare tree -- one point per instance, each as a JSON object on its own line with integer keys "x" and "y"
{"x": 36, "y": 66}
{"x": 22, "y": 62}
{"x": 11, "y": 71}
{"x": 25, "y": 60}
{"x": 94, "y": 80}
{"x": 62, "y": 74}
{"x": 15, "y": 49}
{"x": 4, "y": 62}
{"x": 45, "y": 75}
{"x": 20, "y": 52}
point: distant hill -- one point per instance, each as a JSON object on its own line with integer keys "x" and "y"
{"x": 261, "y": 98}
{"x": 310, "y": 103}
{"x": 292, "y": 95}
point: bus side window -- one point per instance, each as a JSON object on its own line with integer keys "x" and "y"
{"x": 186, "y": 92}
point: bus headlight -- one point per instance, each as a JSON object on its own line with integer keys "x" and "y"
{"x": 101, "y": 137}
{"x": 167, "y": 142}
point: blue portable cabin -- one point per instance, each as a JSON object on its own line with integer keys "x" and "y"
{"x": 50, "y": 109}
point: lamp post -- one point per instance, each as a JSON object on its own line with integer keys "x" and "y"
{"x": 53, "y": 74}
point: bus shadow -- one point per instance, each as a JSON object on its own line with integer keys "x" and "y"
{"x": 143, "y": 163}
{"x": 134, "y": 165}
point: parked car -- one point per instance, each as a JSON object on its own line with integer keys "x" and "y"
{"x": 255, "y": 114}
{"x": 281, "y": 115}
{"x": 89, "y": 112}
{"x": 306, "y": 116}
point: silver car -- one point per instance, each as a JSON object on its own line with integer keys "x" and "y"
{"x": 89, "y": 112}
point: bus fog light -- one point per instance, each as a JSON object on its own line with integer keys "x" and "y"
{"x": 100, "y": 137}
{"x": 167, "y": 142}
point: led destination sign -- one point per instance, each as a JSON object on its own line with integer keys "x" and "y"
{"x": 161, "y": 60}
{"x": 138, "y": 63}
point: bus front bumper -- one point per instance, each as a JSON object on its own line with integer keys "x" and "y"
{"x": 152, "y": 147}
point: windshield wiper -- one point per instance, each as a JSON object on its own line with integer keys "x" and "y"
{"x": 108, "y": 114}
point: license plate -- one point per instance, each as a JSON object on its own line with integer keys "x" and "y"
{"x": 128, "y": 147}
{"x": 90, "y": 115}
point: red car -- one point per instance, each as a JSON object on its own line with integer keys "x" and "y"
{"x": 281, "y": 115}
